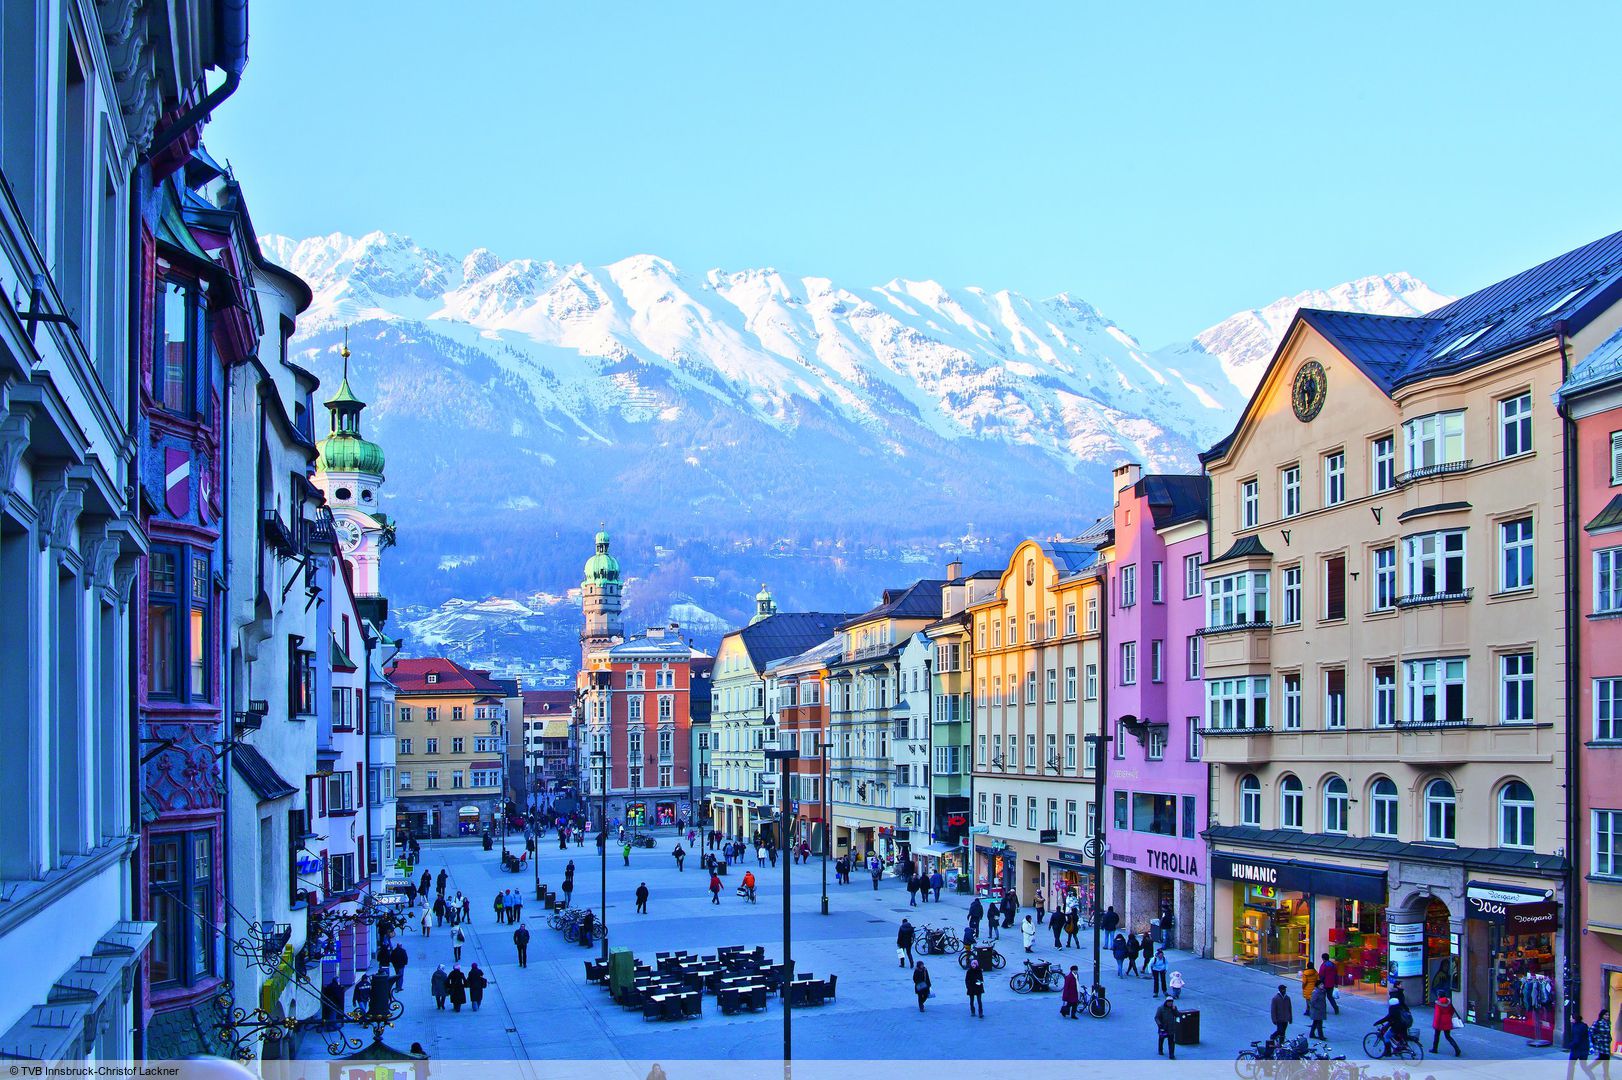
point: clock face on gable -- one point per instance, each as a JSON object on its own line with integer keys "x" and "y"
{"x": 348, "y": 534}
{"x": 1308, "y": 393}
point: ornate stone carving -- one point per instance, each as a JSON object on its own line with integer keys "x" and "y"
{"x": 124, "y": 579}
{"x": 58, "y": 503}
{"x": 13, "y": 441}
{"x": 132, "y": 55}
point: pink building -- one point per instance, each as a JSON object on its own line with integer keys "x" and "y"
{"x": 1592, "y": 400}
{"x": 1155, "y": 798}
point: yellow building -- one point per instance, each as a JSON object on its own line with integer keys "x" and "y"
{"x": 1385, "y": 655}
{"x": 1036, "y": 678}
{"x": 450, "y": 743}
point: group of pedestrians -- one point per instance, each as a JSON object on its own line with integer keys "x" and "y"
{"x": 921, "y": 884}
{"x": 509, "y": 905}
{"x": 459, "y": 986}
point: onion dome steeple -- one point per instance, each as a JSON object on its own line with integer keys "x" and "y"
{"x": 345, "y": 450}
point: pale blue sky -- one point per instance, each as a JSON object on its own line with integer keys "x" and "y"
{"x": 1170, "y": 167}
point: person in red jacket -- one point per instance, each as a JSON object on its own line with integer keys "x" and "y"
{"x": 1329, "y": 978}
{"x": 1442, "y": 1024}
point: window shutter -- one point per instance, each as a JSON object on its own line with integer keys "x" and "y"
{"x": 1335, "y": 587}
{"x": 1616, "y": 457}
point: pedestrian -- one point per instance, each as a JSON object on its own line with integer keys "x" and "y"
{"x": 974, "y": 981}
{"x": 920, "y": 983}
{"x": 1071, "y": 994}
{"x": 1282, "y": 1012}
{"x": 1072, "y": 928}
{"x": 1599, "y": 1037}
{"x": 439, "y": 882}
{"x": 426, "y": 884}
{"x": 1109, "y": 922}
{"x": 476, "y": 983}
{"x": 1134, "y": 948}
{"x": 903, "y": 943}
{"x": 516, "y": 906}
{"x": 437, "y": 987}
{"x": 456, "y": 987}
{"x": 1166, "y": 1029}
{"x": 458, "y": 939}
{"x": 1157, "y": 969}
{"x": 760, "y": 856}
{"x": 467, "y": 909}
{"x": 398, "y": 959}
{"x": 568, "y": 890}
{"x": 500, "y": 903}
{"x": 1027, "y": 933}
{"x": 1148, "y": 941}
{"x": 521, "y": 939}
{"x": 1442, "y": 1018}
{"x": 912, "y": 891}
{"x": 971, "y": 933}
{"x": 1040, "y": 902}
{"x": 1118, "y": 950}
{"x": 771, "y": 855}
{"x": 625, "y": 853}
{"x": 1329, "y": 978}
{"x": 1175, "y": 984}
{"x": 1318, "y": 1011}
{"x": 1581, "y": 1046}
{"x": 427, "y": 922}
{"x": 1056, "y": 924}
{"x": 715, "y": 888}
{"x": 977, "y": 912}
{"x": 439, "y": 910}
{"x": 936, "y": 882}
{"x": 680, "y": 854}
{"x": 1010, "y": 908}
{"x": 363, "y": 995}
{"x": 877, "y": 872}
{"x": 642, "y": 898}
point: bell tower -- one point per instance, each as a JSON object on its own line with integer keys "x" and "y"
{"x": 349, "y": 472}
{"x": 601, "y": 601}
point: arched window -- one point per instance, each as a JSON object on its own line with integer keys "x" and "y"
{"x": 1383, "y": 809}
{"x": 1441, "y": 812}
{"x": 1337, "y": 805}
{"x": 1291, "y": 803}
{"x": 1250, "y": 801}
{"x": 1515, "y": 815}
{"x": 1030, "y": 571}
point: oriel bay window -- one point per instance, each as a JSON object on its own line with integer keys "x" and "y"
{"x": 179, "y": 601}
{"x": 175, "y": 363}
{"x": 1435, "y": 691}
{"x": 180, "y": 876}
{"x": 1236, "y": 599}
{"x": 1236, "y": 704}
{"x": 1434, "y": 564}
{"x": 1434, "y": 442}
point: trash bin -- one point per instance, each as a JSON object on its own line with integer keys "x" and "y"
{"x": 621, "y": 970}
{"x": 1188, "y": 1028}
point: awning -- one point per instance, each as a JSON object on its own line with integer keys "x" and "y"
{"x": 259, "y": 774}
{"x": 487, "y": 765}
{"x": 935, "y": 850}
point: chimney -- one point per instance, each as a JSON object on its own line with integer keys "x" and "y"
{"x": 1127, "y": 475}
{"x": 954, "y": 570}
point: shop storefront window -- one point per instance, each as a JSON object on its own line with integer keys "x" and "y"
{"x": 1272, "y": 928}
{"x": 1154, "y": 813}
{"x": 1357, "y": 945}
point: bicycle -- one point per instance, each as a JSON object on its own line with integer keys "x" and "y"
{"x": 998, "y": 961}
{"x": 1095, "y": 1001}
{"x": 938, "y": 941}
{"x": 1378, "y": 1045}
{"x": 1038, "y": 975}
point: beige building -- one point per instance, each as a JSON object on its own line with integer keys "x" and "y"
{"x": 1384, "y": 651}
{"x": 450, "y": 747}
{"x": 1036, "y": 692}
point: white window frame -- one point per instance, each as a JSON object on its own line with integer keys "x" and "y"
{"x": 1608, "y": 581}
{"x": 1517, "y": 818}
{"x": 1290, "y": 696}
{"x": 1517, "y": 555}
{"x": 1237, "y": 599}
{"x": 1250, "y": 801}
{"x": 1128, "y": 581}
{"x": 1289, "y": 491}
{"x": 1382, "y": 464}
{"x": 1432, "y": 678}
{"x": 1292, "y": 803}
{"x": 1435, "y": 553}
{"x": 1515, "y": 425}
{"x": 1335, "y": 478}
{"x": 1250, "y": 504}
{"x": 1335, "y": 707}
{"x": 1606, "y": 843}
{"x": 1290, "y": 595}
{"x": 1383, "y": 679}
{"x": 1129, "y": 663}
{"x": 1337, "y": 806}
{"x": 1607, "y": 696}
{"x": 1237, "y": 704}
{"x": 1384, "y": 578}
{"x": 1193, "y": 577}
{"x": 1385, "y": 809}
{"x": 1517, "y": 688}
{"x": 1441, "y": 811}
{"x": 1434, "y": 440}
{"x": 1196, "y": 656}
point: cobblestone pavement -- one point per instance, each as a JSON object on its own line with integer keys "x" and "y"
{"x": 547, "y": 1010}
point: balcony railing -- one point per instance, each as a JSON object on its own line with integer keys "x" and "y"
{"x": 1457, "y": 596}
{"x": 1233, "y": 628}
{"x": 1428, "y": 471}
{"x": 1433, "y": 725}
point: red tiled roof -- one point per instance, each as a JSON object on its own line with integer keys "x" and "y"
{"x": 548, "y": 702}
{"x": 411, "y": 677}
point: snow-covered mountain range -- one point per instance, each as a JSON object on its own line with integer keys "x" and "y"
{"x": 735, "y": 425}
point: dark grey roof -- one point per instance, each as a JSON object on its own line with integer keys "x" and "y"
{"x": 1599, "y": 368}
{"x": 1568, "y": 291}
{"x": 1433, "y": 508}
{"x": 1069, "y": 557}
{"x": 787, "y": 633}
{"x": 1175, "y": 498}
{"x": 1608, "y": 518}
{"x": 1245, "y": 547}
{"x": 259, "y": 774}
{"x": 920, "y": 600}
{"x": 1294, "y": 841}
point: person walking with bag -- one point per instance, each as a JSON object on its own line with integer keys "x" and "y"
{"x": 1071, "y": 994}
{"x": 920, "y": 983}
{"x": 974, "y": 982}
{"x": 1329, "y": 977}
{"x": 903, "y": 943}
{"x": 1056, "y": 924}
{"x": 1442, "y": 1024}
{"x": 1166, "y": 1029}
{"x": 458, "y": 939}
{"x": 1072, "y": 927}
{"x": 476, "y": 982}
{"x": 715, "y": 888}
{"x": 1318, "y": 1011}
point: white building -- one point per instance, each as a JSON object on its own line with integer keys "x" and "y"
{"x": 911, "y": 738}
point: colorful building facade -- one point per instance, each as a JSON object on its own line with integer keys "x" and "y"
{"x": 1157, "y": 784}
{"x": 451, "y": 741}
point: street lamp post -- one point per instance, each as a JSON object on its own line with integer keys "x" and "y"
{"x": 1096, "y": 841}
{"x": 784, "y": 755}
{"x": 822, "y": 754}
{"x": 602, "y": 848}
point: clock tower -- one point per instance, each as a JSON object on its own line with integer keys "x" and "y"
{"x": 349, "y": 471}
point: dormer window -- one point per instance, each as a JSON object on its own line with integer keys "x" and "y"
{"x": 433, "y": 677}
